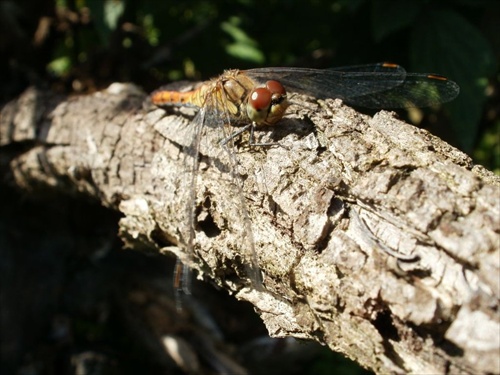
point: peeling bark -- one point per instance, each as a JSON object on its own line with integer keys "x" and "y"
{"x": 372, "y": 236}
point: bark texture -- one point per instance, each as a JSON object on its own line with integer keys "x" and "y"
{"x": 372, "y": 236}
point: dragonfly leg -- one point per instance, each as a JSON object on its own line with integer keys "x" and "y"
{"x": 182, "y": 283}
{"x": 235, "y": 134}
{"x": 251, "y": 140}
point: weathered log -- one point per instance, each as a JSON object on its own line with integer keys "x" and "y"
{"x": 373, "y": 237}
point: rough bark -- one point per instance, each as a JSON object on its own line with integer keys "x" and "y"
{"x": 372, "y": 236}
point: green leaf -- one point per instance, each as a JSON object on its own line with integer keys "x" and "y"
{"x": 151, "y": 32}
{"x": 245, "y": 52}
{"x": 488, "y": 151}
{"x": 113, "y": 10}
{"x": 244, "y": 47}
{"x": 60, "y": 66}
{"x": 389, "y": 16}
{"x": 105, "y": 15}
{"x": 446, "y": 43}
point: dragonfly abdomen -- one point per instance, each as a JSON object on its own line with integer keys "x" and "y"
{"x": 175, "y": 98}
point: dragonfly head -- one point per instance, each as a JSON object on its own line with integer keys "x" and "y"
{"x": 267, "y": 105}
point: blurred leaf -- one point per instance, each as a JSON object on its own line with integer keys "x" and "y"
{"x": 113, "y": 9}
{"x": 59, "y": 66}
{"x": 244, "y": 47}
{"x": 487, "y": 152}
{"x": 232, "y": 27}
{"x": 389, "y": 16}
{"x": 105, "y": 14}
{"x": 245, "y": 52}
{"x": 446, "y": 43}
{"x": 150, "y": 30}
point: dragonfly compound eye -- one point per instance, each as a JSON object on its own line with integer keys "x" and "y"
{"x": 279, "y": 104}
{"x": 260, "y": 99}
{"x": 266, "y": 105}
{"x": 259, "y": 102}
{"x": 276, "y": 88}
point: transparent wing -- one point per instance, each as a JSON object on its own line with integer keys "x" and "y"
{"x": 417, "y": 90}
{"x": 373, "y": 86}
{"x": 214, "y": 211}
{"x": 231, "y": 199}
{"x": 384, "y": 67}
{"x": 342, "y": 82}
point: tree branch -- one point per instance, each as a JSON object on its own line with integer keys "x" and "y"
{"x": 372, "y": 236}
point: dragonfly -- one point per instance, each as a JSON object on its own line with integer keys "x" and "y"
{"x": 247, "y": 100}
{"x": 257, "y": 97}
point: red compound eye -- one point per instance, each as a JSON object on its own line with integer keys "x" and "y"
{"x": 260, "y": 99}
{"x": 275, "y": 87}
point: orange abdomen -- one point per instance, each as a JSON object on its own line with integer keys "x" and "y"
{"x": 162, "y": 97}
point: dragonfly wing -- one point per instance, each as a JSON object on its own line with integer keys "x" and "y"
{"x": 342, "y": 83}
{"x": 213, "y": 211}
{"x": 418, "y": 90}
{"x": 375, "y": 68}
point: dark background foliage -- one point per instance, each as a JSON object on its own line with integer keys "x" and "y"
{"x": 80, "y": 46}
{"x": 83, "y": 45}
